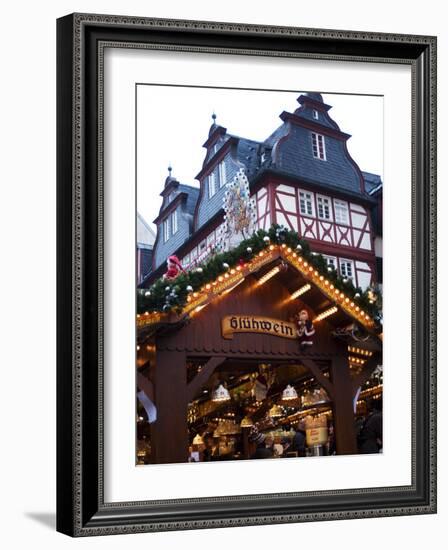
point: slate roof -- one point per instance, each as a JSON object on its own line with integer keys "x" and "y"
{"x": 192, "y": 199}
{"x": 248, "y": 154}
{"x": 373, "y": 182}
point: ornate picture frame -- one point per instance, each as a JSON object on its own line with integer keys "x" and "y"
{"x": 81, "y": 507}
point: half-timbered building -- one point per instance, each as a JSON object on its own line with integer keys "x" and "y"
{"x": 302, "y": 177}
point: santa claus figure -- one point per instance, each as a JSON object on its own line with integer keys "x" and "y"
{"x": 305, "y": 330}
{"x": 174, "y": 268}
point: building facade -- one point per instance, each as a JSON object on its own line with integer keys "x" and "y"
{"x": 145, "y": 243}
{"x": 301, "y": 177}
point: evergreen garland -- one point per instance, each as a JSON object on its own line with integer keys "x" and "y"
{"x": 171, "y": 294}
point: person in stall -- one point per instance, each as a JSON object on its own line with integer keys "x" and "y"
{"x": 263, "y": 444}
{"x": 210, "y": 451}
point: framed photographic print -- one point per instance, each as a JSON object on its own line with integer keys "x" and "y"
{"x": 246, "y": 274}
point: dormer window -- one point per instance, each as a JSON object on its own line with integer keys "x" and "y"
{"x": 222, "y": 174}
{"x": 318, "y": 146}
{"x": 166, "y": 229}
{"x": 211, "y": 185}
{"x": 170, "y": 226}
{"x": 171, "y": 196}
{"x": 315, "y": 114}
{"x": 174, "y": 222}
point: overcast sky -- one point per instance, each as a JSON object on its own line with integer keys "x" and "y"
{"x": 173, "y": 123}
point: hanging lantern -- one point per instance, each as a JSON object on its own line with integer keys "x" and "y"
{"x": 198, "y": 440}
{"x": 275, "y": 411}
{"x": 289, "y": 393}
{"x": 221, "y": 394}
{"x": 246, "y": 422}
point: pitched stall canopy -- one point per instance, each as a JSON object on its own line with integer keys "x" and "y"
{"x": 248, "y": 314}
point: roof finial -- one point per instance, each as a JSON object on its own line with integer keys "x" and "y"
{"x": 170, "y": 169}
{"x": 214, "y": 116}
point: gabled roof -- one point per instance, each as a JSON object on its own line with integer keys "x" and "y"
{"x": 322, "y": 293}
{"x": 145, "y": 234}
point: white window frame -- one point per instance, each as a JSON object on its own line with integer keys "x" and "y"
{"x": 330, "y": 213}
{"x": 315, "y": 114}
{"x": 222, "y": 174}
{"x": 318, "y": 140}
{"x": 186, "y": 260}
{"x": 343, "y": 270}
{"x": 307, "y": 202}
{"x": 211, "y": 182}
{"x": 339, "y": 206}
{"x": 174, "y": 222}
{"x": 166, "y": 229}
{"x": 211, "y": 239}
{"x": 194, "y": 254}
{"x": 202, "y": 247}
{"x": 331, "y": 261}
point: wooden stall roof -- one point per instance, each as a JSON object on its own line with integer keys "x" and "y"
{"x": 321, "y": 295}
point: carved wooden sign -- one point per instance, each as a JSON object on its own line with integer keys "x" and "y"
{"x": 262, "y": 325}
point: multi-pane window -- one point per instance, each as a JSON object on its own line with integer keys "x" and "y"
{"x": 306, "y": 203}
{"x": 323, "y": 208}
{"x": 341, "y": 211}
{"x": 166, "y": 229}
{"x": 174, "y": 225}
{"x": 331, "y": 261}
{"x": 318, "y": 146}
{"x": 346, "y": 268}
{"x": 211, "y": 184}
{"x": 211, "y": 239}
{"x": 222, "y": 174}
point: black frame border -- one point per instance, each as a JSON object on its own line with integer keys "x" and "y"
{"x": 81, "y": 39}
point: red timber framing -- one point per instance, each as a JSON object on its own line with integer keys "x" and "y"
{"x": 199, "y": 337}
{"x": 278, "y": 201}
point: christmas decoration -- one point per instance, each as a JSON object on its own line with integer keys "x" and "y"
{"x": 174, "y": 268}
{"x": 305, "y": 330}
{"x": 240, "y": 213}
{"x": 371, "y": 295}
{"x": 154, "y": 299}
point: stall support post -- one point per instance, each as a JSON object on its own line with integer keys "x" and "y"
{"x": 344, "y": 418}
{"x": 169, "y": 434}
